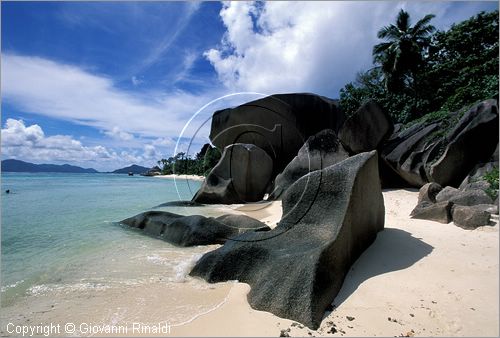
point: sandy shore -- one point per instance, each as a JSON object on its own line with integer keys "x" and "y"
{"x": 266, "y": 212}
{"x": 418, "y": 278}
{"x": 184, "y": 177}
{"x": 429, "y": 278}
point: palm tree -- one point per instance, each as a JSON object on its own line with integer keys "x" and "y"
{"x": 401, "y": 56}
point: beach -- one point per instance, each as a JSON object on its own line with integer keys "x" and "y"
{"x": 182, "y": 177}
{"x": 418, "y": 278}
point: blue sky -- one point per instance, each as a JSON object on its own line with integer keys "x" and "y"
{"x": 108, "y": 84}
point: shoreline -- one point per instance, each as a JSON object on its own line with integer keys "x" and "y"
{"x": 429, "y": 278}
{"x": 186, "y": 177}
{"x": 443, "y": 281}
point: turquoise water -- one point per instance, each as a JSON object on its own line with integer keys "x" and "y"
{"x": 61, "y": 230}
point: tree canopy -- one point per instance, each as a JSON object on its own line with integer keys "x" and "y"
{"x": 439, "y": 70}
{"x": 181, "y": 164}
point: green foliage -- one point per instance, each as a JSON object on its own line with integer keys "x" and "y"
{"x": 492, "y": 178}
{"x": 457, "y": 67}
{"x": 181, "y": 164}
{"x": 462, "y": 66}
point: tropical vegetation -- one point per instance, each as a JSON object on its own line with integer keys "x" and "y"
{"x": 181, "y": 164}
{"x": 418, "y": 70}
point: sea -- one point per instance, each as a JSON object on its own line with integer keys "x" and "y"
{"x": 61, "y": 241}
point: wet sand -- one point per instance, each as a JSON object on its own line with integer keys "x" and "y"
{"x": 418, "y": 278}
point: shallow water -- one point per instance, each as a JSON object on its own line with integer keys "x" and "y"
{"x": 61, "y": 240}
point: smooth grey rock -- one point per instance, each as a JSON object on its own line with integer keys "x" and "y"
{"x": 467, "y": 197}
{"x": 242, "y": 175}
{"x": 179, "y": 204}
{"x": 446, "y": 194}
{"x": 242, "y": 223}
{"x": 192, "y": 230}
{"x": 473, "y": 140}
{"x": 490, "y": 208}
{"x": 470, "y": 217}
{"x": 443, "y": 150}
{"x": 429, "y": 192}
{"x": 151, "y": 222}
{"x": 439, "y": 212}
{"x": 366, "y": 128}
{"x": 320, "y": 151}
{"x": 403, "y": 153}
{"x": 279, "y": 124}
{"x": 475, "y": 178}
{"x": 330, "y": 217}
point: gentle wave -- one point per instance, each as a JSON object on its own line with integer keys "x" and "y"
{"x": 11, "y": 286}
{"x": 41, "y": 289}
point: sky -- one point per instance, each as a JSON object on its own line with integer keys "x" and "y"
{"x": 109, "y": 84}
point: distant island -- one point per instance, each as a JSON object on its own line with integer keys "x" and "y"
{"x": 134, "y": 168}
{"x": 12, "y": 165}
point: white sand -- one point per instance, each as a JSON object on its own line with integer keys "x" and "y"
{"x": 266, "y": 212}
{"x": 435, "y": 279}
{"x": 432, "y": 278}
{"x": 184, "y": 177}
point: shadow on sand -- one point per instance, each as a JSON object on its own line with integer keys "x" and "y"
{"x": 393, "y": 250}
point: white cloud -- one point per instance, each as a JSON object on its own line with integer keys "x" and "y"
{"x": 150, "y": 152}
{"x": 118, "y": 134}
{"x": 67, "y": 92}
{"x": 188, "y": 62}
{"x": 29, "y": 143}
{"x": 308, "y": 46}
{"x": 163, "y": 141}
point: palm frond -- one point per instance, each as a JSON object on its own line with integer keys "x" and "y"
{"x": 423, "y": 27}
{"x": 389, "y": 32}
{"x": 403, "y": 20}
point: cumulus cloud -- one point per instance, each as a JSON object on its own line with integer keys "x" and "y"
{"x": 150, "y": 152}
{"x": 70, "y": 93}
{"x": 309, "y": 46}
{"x": 118, "y": 134}
{"x": 30, "y": 143}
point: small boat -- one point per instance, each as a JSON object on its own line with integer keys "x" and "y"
{"x": 130, "y": 173}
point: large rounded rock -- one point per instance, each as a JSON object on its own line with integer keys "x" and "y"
{"x": 366, "y": 128}
{"x": 438, "y": 212}
{"x": 446, "y": 194}
{"x": 193, "y": 230}
{"x": 320, "y": 151}
{"x": 469, "y": 217}
{"x": 279, "y": 124}
{"x": 404, "y": 153}
{"x": 464, "y": 197}
{"x": 242, "y": 222}
{"x": 429, "y": 192}
{"x": 295, "y": 270}
{"x": 473, "y": 140}
{"x": 242, "y": 175}
{"x": 444, "y": 150}
{"x": 475, "y": 179}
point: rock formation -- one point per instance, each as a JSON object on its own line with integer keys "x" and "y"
{"x": 320, "y": 151}
{"x": 444, "y": 150}
{"x": 468, "y": 208}
{"x": 242, "y": 175}
{"x": 279, "y": 124}
{"x": 366, "y": 128}
{"x": 193, "y": 230}
{"x": 295, "y": 270}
